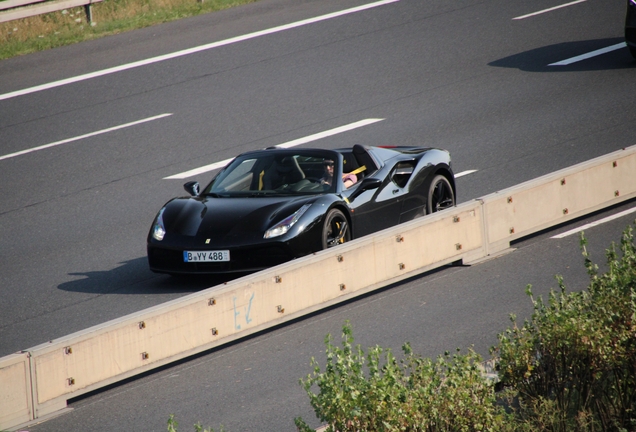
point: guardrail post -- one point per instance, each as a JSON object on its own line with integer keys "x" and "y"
{"x": 11, "y": 10}
{"x": 89, "y": 12}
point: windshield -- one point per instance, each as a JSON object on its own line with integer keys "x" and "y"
{"x": 277, "y": 172}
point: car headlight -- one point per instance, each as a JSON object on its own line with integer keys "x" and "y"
{"x": 158, "y": 229}
{"x": 285, "y": 225}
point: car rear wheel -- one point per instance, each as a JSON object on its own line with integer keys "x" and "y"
{"x": 440, "y": 195}
{"x": 335, "y": 230}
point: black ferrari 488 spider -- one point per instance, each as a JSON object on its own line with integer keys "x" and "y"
{"x": 270, "y": 206}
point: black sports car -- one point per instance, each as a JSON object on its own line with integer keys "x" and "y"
{"x": 630, "y": 27}
{"x": 271, "y": 206}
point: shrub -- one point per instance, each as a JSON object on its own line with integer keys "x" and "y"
{"x": 572, "y": 366}
{"x": 172, "y": 426}
{"x": 358, "y": 392}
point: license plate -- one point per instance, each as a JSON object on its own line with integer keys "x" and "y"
{"x": 206, "y": 256}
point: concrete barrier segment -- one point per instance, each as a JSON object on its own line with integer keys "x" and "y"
{"x": 87, "y": 360}
{"x": 558, "y": 197}
{"x": 16, "y": 399}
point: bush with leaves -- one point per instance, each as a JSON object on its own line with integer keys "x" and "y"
{"x": 359, "y": 392}
{"x": 572, "y": 366}
{"x": 172, "y": 426}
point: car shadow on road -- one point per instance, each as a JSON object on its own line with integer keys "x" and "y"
{"x": 539, "y": 59}
{"x": 134, "y": 277}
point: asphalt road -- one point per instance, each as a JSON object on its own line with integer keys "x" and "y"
{"x": 466, "y": 76}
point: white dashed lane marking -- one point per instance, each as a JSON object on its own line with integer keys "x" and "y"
{"x": 593, "y": 224}
{"x": 548, "y": 10}
{"x": 80, "y": 137}
{"x": 288, "y": 144}
{"x": 586, "y": 56}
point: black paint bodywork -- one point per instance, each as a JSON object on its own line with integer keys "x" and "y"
{"x": 630, "y": 27}
{"x": 393, "y": 189}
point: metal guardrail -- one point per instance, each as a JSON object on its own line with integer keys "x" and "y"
{"x": 17, "y": 9}
{"x": 40, "y": 380}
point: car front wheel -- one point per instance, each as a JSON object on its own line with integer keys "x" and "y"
{"x": 335, "y": 230}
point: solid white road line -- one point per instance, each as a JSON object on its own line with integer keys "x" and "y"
{"x": 68, "y": 140}
{"x": 598, "y": 52}
{"x": 548, "y": 10}
{"x": 593, "y": 224}
{"x": 288, "y": 144}
{"x": 193, "y": 50}
{"x": 464, "y": 173}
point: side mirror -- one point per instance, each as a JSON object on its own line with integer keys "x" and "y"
{"x": 365, "y": 185}
{"x": 192, "y": 188}
{"x": 370, "y": 183}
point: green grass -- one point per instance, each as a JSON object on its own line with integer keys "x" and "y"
{"x": 67, "y": 27}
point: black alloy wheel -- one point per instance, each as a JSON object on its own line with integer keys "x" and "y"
{"x": 440, "y": 195}
{"x": 335, "y": 230}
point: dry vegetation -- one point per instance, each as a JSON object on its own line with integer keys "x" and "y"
{"x": 109, "y": 17}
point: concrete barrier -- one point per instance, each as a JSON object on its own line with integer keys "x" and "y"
{"x": 98, "y": 356}
{"x": 107, "y": 353}
{"x": 16, "y": 399}
{"x": 558, "y": 197}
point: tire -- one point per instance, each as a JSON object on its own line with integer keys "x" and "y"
{"x": 440, "y": 195}
{"x": 335, "y": 230}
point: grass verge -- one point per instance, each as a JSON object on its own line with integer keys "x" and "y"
{"x": 70, "y": 26}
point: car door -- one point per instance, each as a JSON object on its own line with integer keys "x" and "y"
{"x": 379, "y": 208}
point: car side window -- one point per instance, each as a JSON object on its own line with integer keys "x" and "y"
{"x": 401, "y": 173}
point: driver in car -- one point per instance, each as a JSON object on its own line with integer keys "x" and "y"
{"x": 347, "y": 179}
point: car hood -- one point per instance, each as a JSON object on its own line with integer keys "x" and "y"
{"x": 228, "y": 220}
